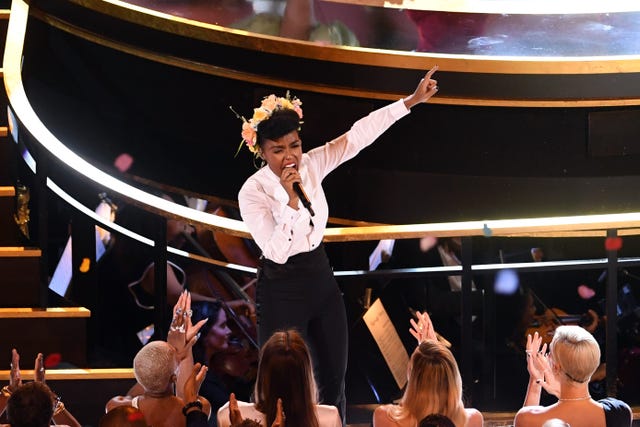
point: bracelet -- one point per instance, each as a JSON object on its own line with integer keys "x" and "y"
{"x": 194, "y": 404}
{"x": 59, "y": 408}
{"x": 6, "y": 391}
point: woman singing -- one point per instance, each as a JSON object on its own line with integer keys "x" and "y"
{"x": 296, "y": 287}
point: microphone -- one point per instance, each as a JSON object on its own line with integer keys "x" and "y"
{"x": 297, "y": 187}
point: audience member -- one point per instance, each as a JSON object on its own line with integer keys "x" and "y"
{"x": 156, "y": 370}
{"x": 285, "y": 372}
{"x": 32, "y": 404}
{"x": 565, "y": 373}
{"x": 434, "y": 385}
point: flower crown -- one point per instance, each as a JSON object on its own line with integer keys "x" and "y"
{"x": 268, "y": 105}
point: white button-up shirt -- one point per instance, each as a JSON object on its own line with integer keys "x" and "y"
{"x": 281, "y": 231}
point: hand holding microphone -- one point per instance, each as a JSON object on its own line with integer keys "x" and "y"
{"x": 297, "y": 187}
{"x": 290, "y": 173}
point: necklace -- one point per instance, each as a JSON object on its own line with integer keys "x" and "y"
{"x": 587, "y": 397}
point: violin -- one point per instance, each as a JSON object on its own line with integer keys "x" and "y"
{"x": 546, "y": 323}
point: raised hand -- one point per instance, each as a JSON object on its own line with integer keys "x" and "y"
{"x": 193, "y": 383}
{"x": 38, "y": 368}
{"x": 422, "y": 330}
{"x": 538, "y": 365}
{"x": 280, "y": 417}
{"x": 235, "y": 416}
{"x": 427, "y": 87}
{"x": 182, "y": 333}
{"x": 15, "y": 380}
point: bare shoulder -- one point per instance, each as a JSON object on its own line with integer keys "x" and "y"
{"x": 475, "y": 417}
{"x": 382, "y": 409}
{"x": 527, "y": 416}
{"x": 118, "y": 401}
{"x": 329, "y": 415}
{"x": 329, "y": 409}
{"x": 381, "y": 417}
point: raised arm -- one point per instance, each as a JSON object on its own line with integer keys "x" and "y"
{"x": 182, "y": 336}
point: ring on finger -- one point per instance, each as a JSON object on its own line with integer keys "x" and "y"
{"x": 179, "y": 329}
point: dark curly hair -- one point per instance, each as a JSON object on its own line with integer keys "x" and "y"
{"x": 279, "y": 124}
{"x": 31, "y": 405}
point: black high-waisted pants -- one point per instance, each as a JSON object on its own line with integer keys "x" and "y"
{"x": 303, "y": 294}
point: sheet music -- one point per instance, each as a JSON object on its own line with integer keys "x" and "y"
{"x": 381, "y": 253}
{"x": 388, "y": 341}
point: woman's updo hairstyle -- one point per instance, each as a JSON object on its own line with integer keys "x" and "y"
{"x": 576, "y": 352}
{"x": 280, "y": 123}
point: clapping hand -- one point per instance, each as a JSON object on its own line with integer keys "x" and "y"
{"x": 15, "y": 380}
{"x": 280, "y": 418}
{"x": 538, "y": 365}
{"x": 235, "y": 416}
{"x": 182, "y": 333}
{"x": 38, "y": 368}
{"x": 422, "y": 330}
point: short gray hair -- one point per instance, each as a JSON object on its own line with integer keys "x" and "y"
{"x": 154, "y": 366}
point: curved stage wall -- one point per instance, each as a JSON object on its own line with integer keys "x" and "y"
{"x": 506, "y": 137}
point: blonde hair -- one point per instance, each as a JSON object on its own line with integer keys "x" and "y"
{"x": 434, "y": 387}
{"x": 155, "y": 366}
{"x": 575, "y": 352}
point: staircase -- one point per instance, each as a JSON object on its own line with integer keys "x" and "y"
{"x": 60, "y": 333}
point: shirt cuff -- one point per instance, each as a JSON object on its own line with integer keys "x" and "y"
{"x": 399, "y": 109}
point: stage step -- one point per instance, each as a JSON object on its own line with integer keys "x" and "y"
{"x": 10, "y": 234}
{"x": 7, "y": 157}
{"x": 20, "y": 267}
{"x": 61, "y": 332}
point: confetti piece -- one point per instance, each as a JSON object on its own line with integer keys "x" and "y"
{"x": 52, "y": 360}
{"x": 586, "y": 292}
{"x": 613, "y": 243}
